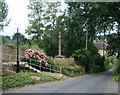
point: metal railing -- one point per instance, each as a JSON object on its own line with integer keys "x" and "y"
{"x": 50, "y": 68}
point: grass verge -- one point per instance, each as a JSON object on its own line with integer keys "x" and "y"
{"x": 24, "y": 78}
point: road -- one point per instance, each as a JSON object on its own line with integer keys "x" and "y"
{"x": 92, "y": 83}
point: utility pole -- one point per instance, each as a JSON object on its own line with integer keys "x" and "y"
{"x": 104, "y": 44}
{"x": 86, "y": 40}
{"x": 17, "y": 52}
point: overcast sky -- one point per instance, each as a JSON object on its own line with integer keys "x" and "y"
{"x": 18, "y": 13}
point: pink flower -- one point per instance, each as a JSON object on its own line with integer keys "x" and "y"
{"x": 36, "y": 54}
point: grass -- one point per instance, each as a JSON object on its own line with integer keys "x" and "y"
{"x": 69, "y": 66}
{"x": 24, "y": 78}
{"x": 62, "y": 62}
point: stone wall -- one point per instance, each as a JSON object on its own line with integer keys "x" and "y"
{"x": 9, "y": 53}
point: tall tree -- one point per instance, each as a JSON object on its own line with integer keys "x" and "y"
{"x": 44, "y": 27}
{"x": 96, "y": 18}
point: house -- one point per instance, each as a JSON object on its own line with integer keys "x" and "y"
{"x": 101, "y": 46}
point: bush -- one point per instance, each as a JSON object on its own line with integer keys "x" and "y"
{"x": 77, "y": 70}
{"x": 117, "y": 78}
{"x": 83, "y": 57}
{"x": 36, "y": 58}
{"x": 95, "y": 68}
{"x": 92, "y": 61}
{"x": 109, "y": 61}
{"x": 117, "y": 68}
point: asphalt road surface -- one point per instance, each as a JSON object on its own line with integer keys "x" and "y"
{"x": 92, "y": 83}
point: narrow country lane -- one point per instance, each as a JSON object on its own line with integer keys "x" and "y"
{"x": 93, "y": 83}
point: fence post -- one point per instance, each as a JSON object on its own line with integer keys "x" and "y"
{"x": 30, "y": 64}
{"x": 40, "y": 66}
{"x": 72, "y": 73}
{"x": 60, "y": 70}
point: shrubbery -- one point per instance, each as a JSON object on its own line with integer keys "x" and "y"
{"x": 109, "y": 61}
{"x": 117, "y": 71}
{"x": 92, "y": 62}
{"x": 83, "y": 57}
{"x": 69, "y": 66}
{"x": 117, "y": 68}
{"x": 117, "y": 78}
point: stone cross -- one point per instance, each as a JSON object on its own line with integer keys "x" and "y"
{"x": 59, "y": 51}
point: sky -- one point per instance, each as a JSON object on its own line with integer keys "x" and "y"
{"x": 17, "y": 12}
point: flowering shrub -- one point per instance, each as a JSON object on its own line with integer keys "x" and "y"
{"x": 37, "y": 56}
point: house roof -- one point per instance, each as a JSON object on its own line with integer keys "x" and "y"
{"x": 100, "y": 44}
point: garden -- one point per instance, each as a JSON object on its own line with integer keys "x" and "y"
{"x": 42, "y": 63}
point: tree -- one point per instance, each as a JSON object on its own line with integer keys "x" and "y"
{"x": 22, "y": 39}
{"x": 45, "y": 23}
{"x": 96, "y": 17}
{"x": 3, "y": 14}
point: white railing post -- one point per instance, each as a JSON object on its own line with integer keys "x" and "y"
{"x": 50, "y": 68}
{"x": 40, "y": 67}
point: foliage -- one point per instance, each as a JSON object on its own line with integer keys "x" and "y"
{"x": 36, "y": 57}
{"x": 117, "y": 78}
{"x": 113, "y": 48}
{"x": 117, "y": 68}
{"x": 78, "y": 19}
{"x": 95, "y": 68}
{"x": 92, "y": 61}
{"x": 67, "y": 62}
{"x": 21, "y": 38}
{"x": 91, "y": 17}
{"x": 109, "y": 62}
{"x": 77, "y": 70}
{"x": 24, "y": 78}
{"x": 83, "y": 57}
{"x": 69, "y": 67}
{"x": 44, "y": 25}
